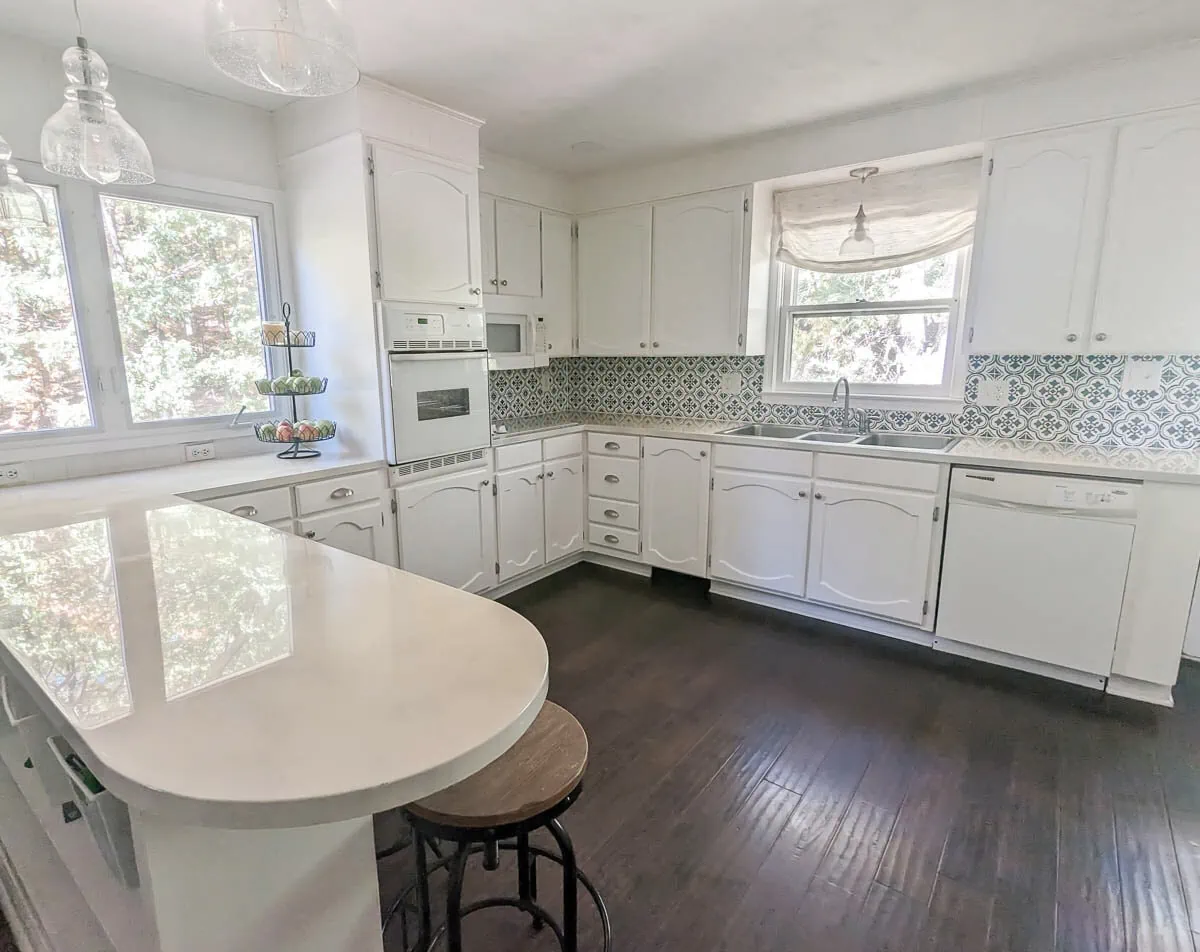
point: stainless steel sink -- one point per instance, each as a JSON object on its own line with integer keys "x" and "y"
{"x": 909, "y": 441}
{"x": 823, "y": 436}
{"x": 770, "y": 430}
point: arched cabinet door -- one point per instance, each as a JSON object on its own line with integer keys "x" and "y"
{"x": 564, "y": 507}
{"x": 447, "y": 529}
{"x": 675, "y": 479}
{"x": 870, "y": 549}
{"x": 520, "y": 520}
{"x": 356, "y": 529}
{"x": 759, "y": 533}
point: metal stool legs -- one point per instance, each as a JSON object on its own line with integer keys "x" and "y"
{"x": 527, "y": 876}
{"x": 566, "y": 849}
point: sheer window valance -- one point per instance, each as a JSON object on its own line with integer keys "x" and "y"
{"x": 911, "y": 216}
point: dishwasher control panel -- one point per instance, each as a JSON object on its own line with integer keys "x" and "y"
{"x": 1096, "y": 497}
{"x": 1071, "y": 495}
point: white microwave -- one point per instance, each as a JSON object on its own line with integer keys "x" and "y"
{"x": 516, "y": 339}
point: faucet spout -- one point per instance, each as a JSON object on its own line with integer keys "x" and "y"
{"x": 843, "y": 382}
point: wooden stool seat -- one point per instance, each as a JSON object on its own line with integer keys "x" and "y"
{"x": 533, "y": 775}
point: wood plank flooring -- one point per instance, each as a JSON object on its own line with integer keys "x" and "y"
{"x": 760, "y": 784}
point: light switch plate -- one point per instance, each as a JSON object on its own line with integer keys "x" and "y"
{"x": 731, "y": 382}
{"x": 1142, "y": 373}
{"x": 993, "y": 392}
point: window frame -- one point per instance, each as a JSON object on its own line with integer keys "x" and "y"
{"x": 98, "y": 328}
{"x": 944, "y": 397}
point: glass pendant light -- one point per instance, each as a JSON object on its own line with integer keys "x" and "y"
{"x": 860, "y": 244}
{"x": 19, "y": 204}
{"x": 293, "y": 47}
{"x": 87, "y": 138}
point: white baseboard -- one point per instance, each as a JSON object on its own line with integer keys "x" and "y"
{"x": 515, "y": 584}
{"x": 612, "y": 562}
{"x": 1144, "y": 691}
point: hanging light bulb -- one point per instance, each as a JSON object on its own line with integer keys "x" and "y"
{"x": 19, "y": 204}
{"x": 859, "y": 244}
{"x": 294, "y": 47}
{"x": 87, "y": 138}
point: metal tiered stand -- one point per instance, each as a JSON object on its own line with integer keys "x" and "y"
{"x": 293, "y": 387}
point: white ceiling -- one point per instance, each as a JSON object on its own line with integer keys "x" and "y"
{"x": 651, "y": 78}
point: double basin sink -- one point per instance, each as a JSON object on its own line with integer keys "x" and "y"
{"x": 907, "y": 441}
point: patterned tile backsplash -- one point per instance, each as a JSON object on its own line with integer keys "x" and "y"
{"x": 1055, "y": 398}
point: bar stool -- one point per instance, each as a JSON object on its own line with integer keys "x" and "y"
{"x": 527, "y": 788}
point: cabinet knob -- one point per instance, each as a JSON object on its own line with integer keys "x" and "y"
{"x": 486, "y": 482}
{"x": 310, "y": 534}
{"x": 493, "y": 280}
{"x": 550, "y": 475}
{"x": 549, "y": 347}
{"x": 802, "y": 494}
{"x": 818, "y": 495}
{"x": 504, "y": 283}
{"x": 703, "y": 453}
{"x": 1072, "y": 338}
{"x": 541, "y": 475}
{"x": 642, "y": 345}
{"x": 611, "y": 513}
{"x": 656, "y": 343}
{"x": 1101, "y": 336}
{"x": 475, "y": 291}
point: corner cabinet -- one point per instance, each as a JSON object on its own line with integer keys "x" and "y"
{"x": 759, "y": 532}
{"x": 614, "y": 282}
{"x": 675, "y": 502}
{"x": 564, "y": 493}
{"x": 511, "y": 236}
{"x": 427, "y": 229}
{"x": 870, "y": 550}
{"x": 520, "y": 520}
{"x": 447, "y": 529}
{"x": 558, "y": 283}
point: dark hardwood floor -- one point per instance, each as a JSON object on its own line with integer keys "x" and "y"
{"x": 756, "y": 783}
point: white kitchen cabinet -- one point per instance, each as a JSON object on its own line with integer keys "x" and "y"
{"x": 614, "y": 282}
{"x": 697, "y": 274}
{"x": 447, "y": 529}
{"x": 357, "y": 529}
{"x": 558, "y": 283}
{"x": 1037, "y": 246}
{"x": 675, "y": 493}
{"x": 427, "y": 228}
{"x": 759, "y": 532}
{"x": 564, "y": 495}
{"x": 1149, "y": 282}
{"x": 870, "y": 549}
{"x": 520, "y": 520}
{"x": 511, "y": 235}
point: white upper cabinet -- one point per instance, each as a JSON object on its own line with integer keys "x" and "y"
{"x": 558, "y": 283}
{"x": 1033, "y": 269}
{"x": 614, "y": 282}
{"x": 487, "y": 239}
{"x": 518, "y": 249}
{"x": 520, "y": 526}
{"x": 1149, "y": 279}
{"x": 427, "y": 227}
{"x": 697, "y": 287}
{"x": 564, "y": 492}
{"x": 675, "y": 487}
{"x": 759, "y": 532}
{"x": 357, "y": 529}
{"x": 870, "y": 549}
{"x": 447, "y": 529}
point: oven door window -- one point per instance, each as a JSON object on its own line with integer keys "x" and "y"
{"x": 504, "y": 337}
{"x": 443, "y": 404}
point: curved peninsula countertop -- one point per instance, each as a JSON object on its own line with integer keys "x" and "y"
{"x": 216, "y": 672}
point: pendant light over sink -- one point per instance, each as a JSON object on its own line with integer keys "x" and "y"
{"x": 292, "y": 47}
{"x": 88, "y": 138}
{"x": 860, "y": 244}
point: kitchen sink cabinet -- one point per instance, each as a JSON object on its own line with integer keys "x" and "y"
{"x": 759, "y": 530}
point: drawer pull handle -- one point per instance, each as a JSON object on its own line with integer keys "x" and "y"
{"x": 341, "y": 492}
{"x": 612, "y": 445}
{"x": 248, "y": 512}
{"x": 610, "y": 478}
{"x": 310, "y": 534}
{"x": 611, "y": 538}
{"x": 612, "y": 514}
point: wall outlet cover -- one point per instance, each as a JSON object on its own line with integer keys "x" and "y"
{"x": 12, "y": 473}
{"x": 1142, "y": 373}
{"x": 994, "y": 392}
{"x": 194, "y": 452}
{"x": 731, "y": 382}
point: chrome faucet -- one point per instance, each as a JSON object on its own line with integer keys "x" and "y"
{"x": 862, "y": 416}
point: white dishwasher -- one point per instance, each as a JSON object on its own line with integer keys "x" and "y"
{"x": 1035, "y": 567}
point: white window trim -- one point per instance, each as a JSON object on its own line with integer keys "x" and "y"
{"x": 945, "y": 398}
{"x": 86, "y": 252}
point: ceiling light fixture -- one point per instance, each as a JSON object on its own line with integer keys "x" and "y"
{"x": 293, "y": 47}
{"x": 19, "y": 203}
{"x": 88, "y": 138}
{"x": 860, "y": 244}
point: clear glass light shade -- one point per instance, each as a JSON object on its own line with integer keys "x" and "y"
{"x": 859, "y": 244}
{"x": 19, "y": 204}
{"x": 293, "y": 47}
{"x": 88, "y": 138}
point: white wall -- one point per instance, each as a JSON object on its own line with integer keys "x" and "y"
{"x": 193, "y": 137}
{"x": 1117, "y": 87}
{"x": 522, "y": 182}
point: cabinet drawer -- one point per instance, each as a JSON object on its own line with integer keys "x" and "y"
{"x": 759, "y": 459}
{"x": 556, "y": 447}
{"x": 518, "y": 454}
{"x": 610, "y": 444}
{"x": 266, "y": 505}
{"x": 896, "y": 474}
{"x": 613, "y": 512}
{"x": 614, "y": 478}
{"x": 610, "y": 537}
{"x": 341, "y": 491}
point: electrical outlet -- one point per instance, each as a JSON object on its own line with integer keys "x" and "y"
{"x": 731, "y": 382}
{"x": 194, "y": 452}
{"x": 12, "y": 473}
{"x": 1142, "y": 373}
{"x": 993, "y": 392}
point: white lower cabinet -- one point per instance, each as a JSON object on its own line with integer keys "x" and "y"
{"x": 357, "y": 529}
{"x": 870, "y": 549}
{"x": 520, "y": 520}
{"x": 675, "y": 500}
{"x": 564, "y": 491}
{"x": 447, "y": 529}
{"x": 759, "y": 530}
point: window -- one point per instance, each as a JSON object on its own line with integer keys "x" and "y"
{"x": 136, "y": 311}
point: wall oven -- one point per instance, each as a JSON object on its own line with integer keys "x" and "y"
{"x": 437, "y": 380}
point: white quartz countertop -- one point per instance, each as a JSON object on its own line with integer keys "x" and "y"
{"x": 217, "y": 672}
